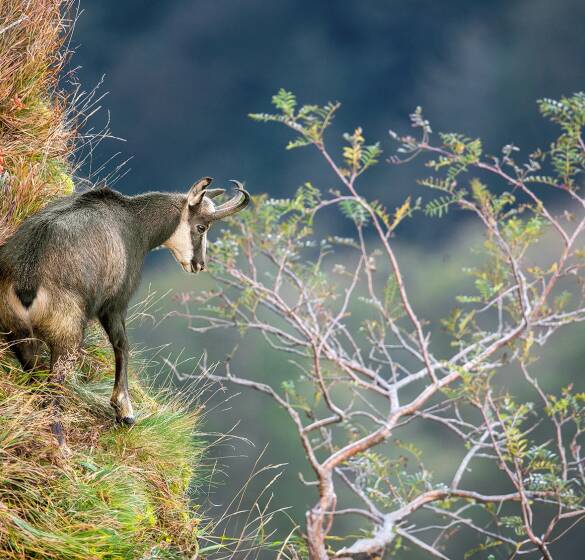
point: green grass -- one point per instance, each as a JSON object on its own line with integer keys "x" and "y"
{"x": 119, "y": 493}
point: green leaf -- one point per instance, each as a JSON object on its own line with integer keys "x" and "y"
{"x": 285, "y": 101}
{"x": 353, "y": 210}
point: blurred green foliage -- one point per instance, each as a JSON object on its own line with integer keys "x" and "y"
{"x": 279, "y": 235}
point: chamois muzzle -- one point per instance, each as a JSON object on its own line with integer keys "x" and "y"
{"x": 234, "y": 205}
{"x": 197, "y": 266}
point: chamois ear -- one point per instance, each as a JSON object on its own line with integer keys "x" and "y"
{"x": 197, "y": 191}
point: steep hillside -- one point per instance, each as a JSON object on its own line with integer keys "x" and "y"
{"x": 118, "y": 492}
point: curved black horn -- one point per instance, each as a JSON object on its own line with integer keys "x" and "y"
{"x": 233, "y": 205}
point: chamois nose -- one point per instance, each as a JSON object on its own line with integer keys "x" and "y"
{"x": 197, "y": 266}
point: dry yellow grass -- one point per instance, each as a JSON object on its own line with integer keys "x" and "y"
{"x": 37, "y": 130}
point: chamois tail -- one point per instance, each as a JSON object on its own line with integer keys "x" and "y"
{"x": 26, "y": 266}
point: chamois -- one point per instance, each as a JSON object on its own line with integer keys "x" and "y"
{"x": 80, "y": 258}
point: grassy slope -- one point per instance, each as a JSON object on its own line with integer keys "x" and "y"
{"x": 120, "y": 493}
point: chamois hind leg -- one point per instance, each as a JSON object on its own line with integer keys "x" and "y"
{"x": 63, "y": 333}
{"x": 64, "y": 357}
{"x": 25, "y": 349}
{"x": 27, "y": 353}
{"x": 115, "y": 327}
{"x": 17, "y": 333}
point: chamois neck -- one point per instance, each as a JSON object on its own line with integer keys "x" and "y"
{"x": 157, "y": 215}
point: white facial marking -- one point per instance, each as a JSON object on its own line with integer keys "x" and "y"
{"x": 180, "y": 243}
{"x": 204, "y": 246}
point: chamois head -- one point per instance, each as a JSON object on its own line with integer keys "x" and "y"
{"x": 189, "y": 241}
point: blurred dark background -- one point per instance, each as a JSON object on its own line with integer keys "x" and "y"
{"x": 183, "y": 75}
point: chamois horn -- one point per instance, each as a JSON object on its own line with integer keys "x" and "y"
{"x": 234, "y": 205}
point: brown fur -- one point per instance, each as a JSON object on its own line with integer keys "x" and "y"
{"x": 80, "y": 258}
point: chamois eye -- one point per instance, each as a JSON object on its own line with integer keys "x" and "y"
{"x": 201, "y": 229}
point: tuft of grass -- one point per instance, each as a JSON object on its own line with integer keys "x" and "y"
{"x": 119, "y": 493}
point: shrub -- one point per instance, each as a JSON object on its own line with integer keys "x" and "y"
{"x": 364, "y": 367}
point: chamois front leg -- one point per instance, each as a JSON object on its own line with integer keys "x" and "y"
{"x": 115, "y": 327}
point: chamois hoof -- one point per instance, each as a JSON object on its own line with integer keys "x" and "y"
{"x": 126, "y": 420}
